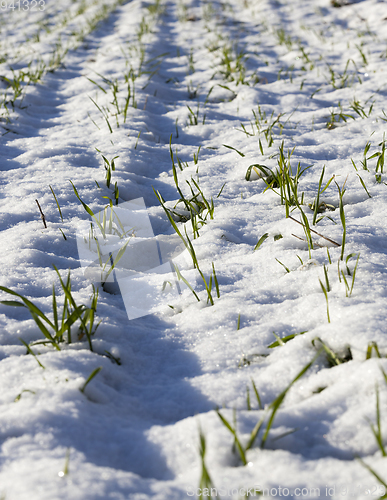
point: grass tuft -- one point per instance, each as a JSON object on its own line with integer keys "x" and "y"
{"x": 59, "y": 330}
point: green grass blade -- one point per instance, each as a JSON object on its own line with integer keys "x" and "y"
{"x": 333, "y": 359}
{"x": 328, "y": 287}
{"x": 34, "y": 310}
{"x": 354, "y": 275}
{"x": 230, "y": 147}
{"x": 181, "y": 277}
{"x": 257, "y": 395}
{"x": 364, "y": 186}
{"x": 57, "y": 203}
{"x": 90, "y": 378}
{"x": 54, "y": 308}
{"x": 72, "y": 318}
{"x": 342, "y": 218}
{"x": 66, "y": 289}
{"x": 13, "y": 303}
{"x": 88, "y": 210}
{"x": 283, "y": 265}
{"x": 30, "y": 351}
{"x": 261, "y": 240}
{"x": 44, "y": 330}
{"x": 254, "y": 433}
{"x": 233, "y": 432}
{"x": 119, "y": 255}
{"x": 317, "y": 200}
{"x": 375, "y": 475}
{"x": 158, "y": 195}
{"x": 278, "y": 401}
{"x": 216, "y": 281}
{"x": 99, "y": 86}
{"x": 326, "y": 298}
{"x": 378, "y": 433}
{"x": 286, "y": 339}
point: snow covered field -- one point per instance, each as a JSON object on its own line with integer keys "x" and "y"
{"x": 268, "y": 379}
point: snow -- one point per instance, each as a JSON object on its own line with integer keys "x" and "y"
{"x": 133, "y": 431}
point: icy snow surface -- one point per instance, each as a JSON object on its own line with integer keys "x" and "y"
{"x": 84, "y": 79}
